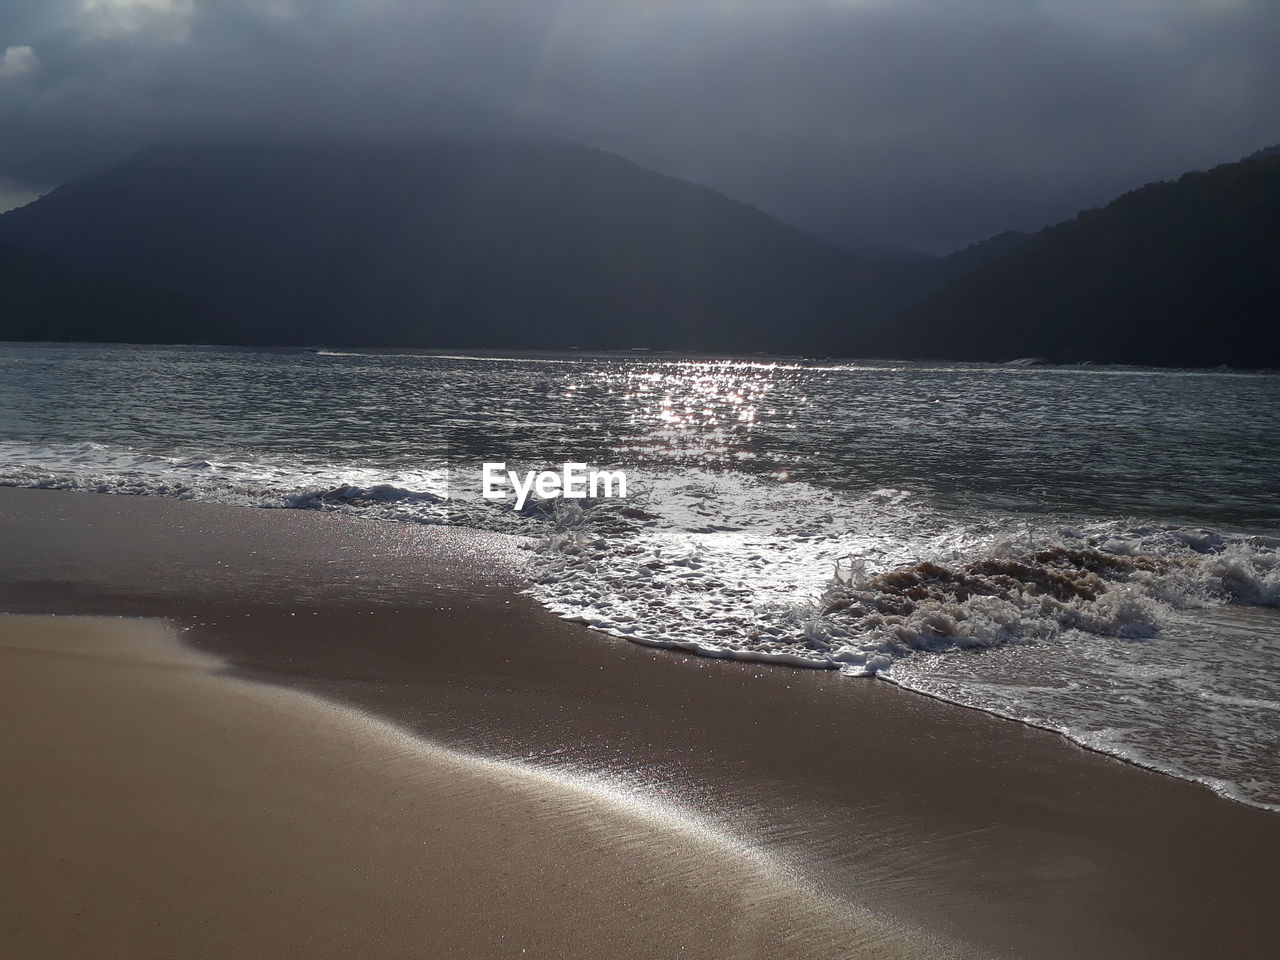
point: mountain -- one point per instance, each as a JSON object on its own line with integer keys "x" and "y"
{"x": 1183, "y": 273}
{"x": 503, "y": 244}
{"x": 554, "y": 245}
{"x": 47, "y": 298}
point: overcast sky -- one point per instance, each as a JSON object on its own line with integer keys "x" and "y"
{"x": 920, "y": 123}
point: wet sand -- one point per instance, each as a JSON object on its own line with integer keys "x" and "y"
{"x": 967, "y": 827}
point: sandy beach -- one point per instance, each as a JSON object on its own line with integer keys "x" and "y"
{"x": 234, "y": 774}
{"x": 160, "y": 810}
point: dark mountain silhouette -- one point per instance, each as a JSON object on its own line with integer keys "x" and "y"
{"x": 1184, "y": 273}
{"x": 549, "y": 245}
{"x": 444, "y": 244}
{"x": 44, "y": 297}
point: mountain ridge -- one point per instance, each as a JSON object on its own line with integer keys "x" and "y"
{"x": 1183, "y": 272}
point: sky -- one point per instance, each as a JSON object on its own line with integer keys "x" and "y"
{"x": 921, "y": 124}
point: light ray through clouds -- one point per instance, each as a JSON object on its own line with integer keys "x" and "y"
{"x": 923, "y": 123}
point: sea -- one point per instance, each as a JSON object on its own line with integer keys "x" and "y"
{"x": 1093, "y": 550}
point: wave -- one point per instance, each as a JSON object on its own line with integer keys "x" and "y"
{"x": 235, "y": 477}
{"x": 776, "y": 591}
{"x": 1020, "y": 595}
{"x": 1137, "y": 641}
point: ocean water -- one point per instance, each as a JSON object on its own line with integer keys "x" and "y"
{"x": 1092, "y": 550}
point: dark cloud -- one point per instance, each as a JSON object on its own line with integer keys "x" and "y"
{"x": 922, "y": 123}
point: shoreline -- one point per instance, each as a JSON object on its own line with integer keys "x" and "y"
{"x": 572, "y": 354}
{"x": 504, "y": 550}
{"x": 971, "y": 827}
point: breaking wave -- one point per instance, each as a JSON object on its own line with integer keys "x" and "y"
{"x": 779, "y": 590}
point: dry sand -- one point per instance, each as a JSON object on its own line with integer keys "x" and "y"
{"x": 155, "y": 808}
